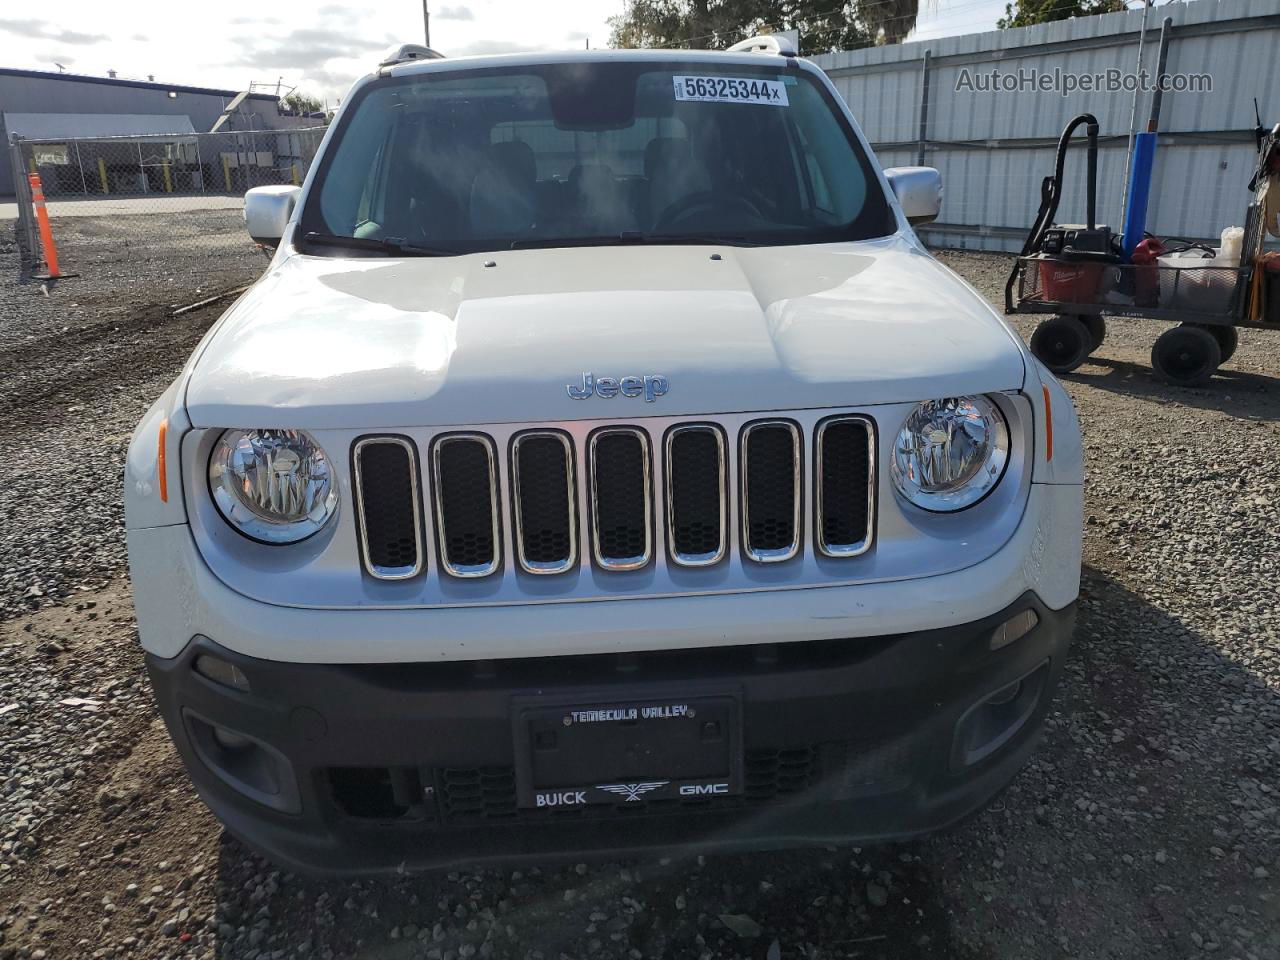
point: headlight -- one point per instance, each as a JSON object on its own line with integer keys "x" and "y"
{"x": 950, "y": 453}
{"x": 272, "y": 485}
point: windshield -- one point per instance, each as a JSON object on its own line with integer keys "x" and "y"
{"x": 612, "y": 151}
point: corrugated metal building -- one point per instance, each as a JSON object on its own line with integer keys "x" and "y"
{"x": 39, "y": 105}
{"x": 993, "y": 148}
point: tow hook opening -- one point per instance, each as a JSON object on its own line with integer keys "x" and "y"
{"x": 380, "y": 793}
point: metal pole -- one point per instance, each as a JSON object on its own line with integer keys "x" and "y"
{"x": 84, "y": 186}
{"x": 1133, "y": 112}
{"x": 922, "y": 137}
{"x": 1162, "y": 61}
{"x": 199, "y": 163}
{"x": 141, "y": 171}
{"x": 426, "y": 23}
{"x": 253, "y": 150}
{"x": 25, "y": 227}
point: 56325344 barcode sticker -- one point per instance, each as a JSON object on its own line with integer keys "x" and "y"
{"x": 731, "y": 90}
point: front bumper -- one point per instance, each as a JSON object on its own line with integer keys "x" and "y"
{"x": 373, "y": 768}
{"x": 176, "y": 596}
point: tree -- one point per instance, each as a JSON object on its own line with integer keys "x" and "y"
{"x": 1028, "y": 12}
{"x": 824, "y": 25}
{"x": 302, "y": 103}
{"x": 890, "y": 20}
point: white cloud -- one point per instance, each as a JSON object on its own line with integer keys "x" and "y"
{"x": 454, "y": 13}
{"x": 42, "y": 30}
{"x": 309, "y": 47}
{"x": 321, "y": 49}
{"x": 481, "y": 48}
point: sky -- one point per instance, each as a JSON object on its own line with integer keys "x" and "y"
{"x": 322, "y": 47}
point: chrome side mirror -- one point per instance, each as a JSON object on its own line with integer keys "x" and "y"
{"x": 919, "y": 192}
{"x": 267, "y": 211}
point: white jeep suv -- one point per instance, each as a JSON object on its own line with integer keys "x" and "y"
{"x": 601, "y": 464}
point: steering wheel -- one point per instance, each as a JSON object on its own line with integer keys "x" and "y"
{"x": 701, "y": 203}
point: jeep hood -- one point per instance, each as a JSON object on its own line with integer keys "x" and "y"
{"x": 488, "y": 338}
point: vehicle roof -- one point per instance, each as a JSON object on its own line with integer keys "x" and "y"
{"x": 583, "y": 56}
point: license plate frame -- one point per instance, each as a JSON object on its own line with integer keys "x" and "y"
{"x": 624, "y": 748}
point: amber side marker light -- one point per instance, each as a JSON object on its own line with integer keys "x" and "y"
{"x": 1015, "y": 628}
{"x": 161, "y": 466}
{"x": 1048, "y": 424}
{"x": 220, "y": 671}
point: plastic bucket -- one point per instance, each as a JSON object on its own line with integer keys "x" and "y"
{"x": 1068, "y": 281}
{"x": 1195, "y": 284}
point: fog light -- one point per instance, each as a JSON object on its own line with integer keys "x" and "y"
{"x": 229, "y": 740}
{"x": 1006, "y": 695}
{"x": 244, "y": 763}
{"x": 1015, "y": 628}
{"x": 220, "y": 671}
{"x": 993, "y": 721}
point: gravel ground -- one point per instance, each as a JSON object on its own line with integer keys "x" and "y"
{"x": 79, "y": 366}
{"x": 1148, "y": 824}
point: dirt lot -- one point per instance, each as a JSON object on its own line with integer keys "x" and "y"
{"x": 1147, "y": 826}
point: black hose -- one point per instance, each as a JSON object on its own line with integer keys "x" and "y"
{"x": 1060, "y": 161}
{"x": 1092, "y": 185}
{"x": 1051, "y": 194}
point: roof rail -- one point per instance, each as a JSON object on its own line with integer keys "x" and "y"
{"x": 405, "y": 52}
{"x": 776, "y": 44}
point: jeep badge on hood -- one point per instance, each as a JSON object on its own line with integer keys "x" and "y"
{"x": 650, "y": 387}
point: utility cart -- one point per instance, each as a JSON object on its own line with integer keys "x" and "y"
{"x": 1078, "y": 275}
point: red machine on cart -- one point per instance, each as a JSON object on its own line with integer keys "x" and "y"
{"x": 1079, "y": 275}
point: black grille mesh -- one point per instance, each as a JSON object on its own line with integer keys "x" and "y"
{"x": 696, "y": 489}
{"x": 779, "y": 773}
{"x": 547, "y": 530}
{"x": 479, "y": 794}
{"x": 621, "y": 493}
{"x": 846, "y": 476}
{"x": 466, "y": 503}
{"x": 475, "y": 795}
{"x": 771, "y": 488}
{"x": 386, "y": 485}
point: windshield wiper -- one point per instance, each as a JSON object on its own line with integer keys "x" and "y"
{"x": 609, "y": 239}
{"x": 695, "y": 239}
{"x": 631, "y": 236}
{"x": 390, "y": 245}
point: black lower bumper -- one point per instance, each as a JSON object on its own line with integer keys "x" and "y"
{"x": 377, "y": 768}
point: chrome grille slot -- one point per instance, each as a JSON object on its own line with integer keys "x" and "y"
{"x": 621, "y": 505}
{"x": 771, "y": 487}
{"x": 845, "y": 488}
{"x": 501, "y": 519}
{"x": 466, "y": 489}
{"x": 546, "y": 529}
{"x": 696, "y": 501}
{"x": 389, "y": 507}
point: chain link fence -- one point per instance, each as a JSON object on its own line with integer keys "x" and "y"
{"x": 143, "y": 204}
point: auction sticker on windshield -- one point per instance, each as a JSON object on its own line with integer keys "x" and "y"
{"x": 731, "y": 90}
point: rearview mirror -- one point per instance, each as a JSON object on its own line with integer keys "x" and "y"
{"x": 267, "y": 211}
{"x": 919, "y": 191}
